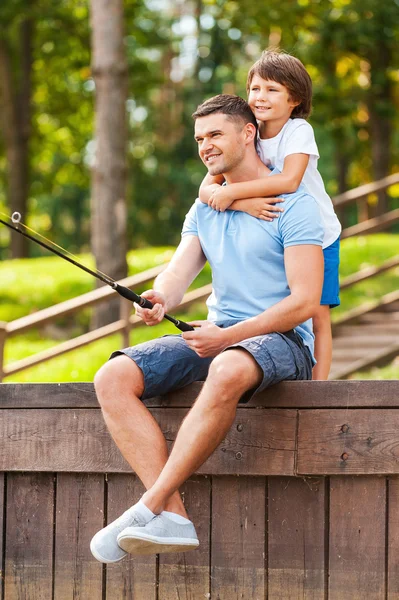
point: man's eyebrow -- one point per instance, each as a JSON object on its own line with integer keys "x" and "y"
{"x": 197, "y": 137}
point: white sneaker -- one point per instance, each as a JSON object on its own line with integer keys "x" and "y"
{"x": 160, "y": 535}
{"x": 104, "y": 546}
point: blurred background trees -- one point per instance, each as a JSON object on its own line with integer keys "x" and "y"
{"x": 179, "y": 52}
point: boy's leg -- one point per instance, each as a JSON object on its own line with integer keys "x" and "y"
{"x": 322, "y": 318}
{"x": 323, "y": 342}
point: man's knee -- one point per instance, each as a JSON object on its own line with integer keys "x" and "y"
{"x": 117, "y": 379}
{"x": 234, "y": 371}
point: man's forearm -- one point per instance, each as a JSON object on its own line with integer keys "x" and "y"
{"x": 171, "y": 287}
{"x": 283, "y": 316}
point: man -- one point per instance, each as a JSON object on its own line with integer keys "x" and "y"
{"x": 267, "y": 278}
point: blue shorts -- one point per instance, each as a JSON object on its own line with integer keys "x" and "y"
{"x": 168, "y": 363}
{"x": 330, "y": 293}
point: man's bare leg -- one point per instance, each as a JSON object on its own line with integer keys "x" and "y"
{"x": 119, "y": 385}
{"x": 231, "y": 374}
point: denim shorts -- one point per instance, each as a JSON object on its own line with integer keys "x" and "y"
{"x": 330, "y": 293}
{"x": 168, "y": 363}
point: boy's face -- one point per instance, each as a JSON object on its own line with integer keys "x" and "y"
{"x": 270, "y": 101}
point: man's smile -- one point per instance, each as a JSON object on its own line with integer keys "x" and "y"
{"x": 211, "y": 157}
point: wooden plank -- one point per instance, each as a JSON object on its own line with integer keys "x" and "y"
{"x": 79, "y": 515}
{"x": 238, "y": 538}
{"x": 2, "y": 513}
{"x": 348, "y": 442}
{"x": 186, "y": 576}
{"x": 357, "y": 538}
{"x": 364, "y": 190}
{"x": 355, "y": 314}
{"x": 296, "y": 544}
{"x": 29, "y": 536}
{"x": 64, "y": 347}
{"x": 288, "y": 394}
{"x": 375, "y": 358}
{"x": 72, "y": 305}
{"x": 47, "y": 395}
{"x": 393, "y": 539}
{"x": 134, "y": 577}
{"x": 77, "y": 440}
{"x": 372, "y": 225}
{"x": 258, "y": 443}
{"x": 369, "y": 272}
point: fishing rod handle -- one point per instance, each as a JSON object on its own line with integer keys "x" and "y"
{"x": 179, "y": 324}
{"x": 129, "y": 295}
{"x": 144, "y": 303}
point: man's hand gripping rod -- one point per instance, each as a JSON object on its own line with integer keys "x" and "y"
{"x": 121, "y": 289}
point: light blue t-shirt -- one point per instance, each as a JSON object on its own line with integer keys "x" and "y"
{"x": 246, "y": 256}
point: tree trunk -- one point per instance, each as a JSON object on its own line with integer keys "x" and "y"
{"x": 109, "y": 176}
{"x": 16, "y": 121}
{"x": 380, "y": 111}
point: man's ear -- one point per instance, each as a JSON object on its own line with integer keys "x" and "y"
{"x": 249, "y": 133}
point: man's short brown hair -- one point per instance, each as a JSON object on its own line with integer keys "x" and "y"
{"x": 234, "y": 107}
{"x": 275, "y": 65}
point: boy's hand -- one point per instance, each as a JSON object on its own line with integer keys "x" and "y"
{"x": 152, "y": 316}
{"x": 262, "y": 208}
{"x": 220, "y": 199}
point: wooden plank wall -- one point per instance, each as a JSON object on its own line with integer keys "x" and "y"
{"x": 275, "y": 538}
{"x": 299, "y": 502}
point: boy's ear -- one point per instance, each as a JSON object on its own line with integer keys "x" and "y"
{"x": 294, "y": 103}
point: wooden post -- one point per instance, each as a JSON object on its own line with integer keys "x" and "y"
{"x": 125, "y": 310}
{"x": 362, "y": 210}
{"x": 3, "y": 336}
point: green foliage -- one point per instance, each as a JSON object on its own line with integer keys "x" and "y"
{"x": 177, "y": 56}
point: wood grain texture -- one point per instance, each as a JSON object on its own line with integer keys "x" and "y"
{"x": 134, "y": 577}
{"x": 348, "y": 442}
{"x": 238, "y": 538}
{"x": 3, "y": 504}
{"x": 185, "y": 576}
{"x": 29, "y": 536}
{"x": 77, "y": 440}
{"x": 79, "y": 515}
{"x": 393, "y": 538}
{"x": 357, "y": 538}
{"x": 288, "y": 394}
{"x": 296, "y": 538}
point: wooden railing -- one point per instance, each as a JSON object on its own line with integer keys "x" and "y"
{"x": 128, "y": 321}
{"x": 124, "y": 325}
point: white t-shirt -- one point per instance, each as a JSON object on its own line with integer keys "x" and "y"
{"x": 297, "y": 137}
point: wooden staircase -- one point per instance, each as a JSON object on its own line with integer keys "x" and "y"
{"x": 366, "y": 337}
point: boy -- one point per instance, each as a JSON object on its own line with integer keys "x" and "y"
{"x": 280, "y": 95}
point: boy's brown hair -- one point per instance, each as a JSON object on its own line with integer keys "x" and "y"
{"x": 287, "y": 70}
{"x": 234, "y": 107}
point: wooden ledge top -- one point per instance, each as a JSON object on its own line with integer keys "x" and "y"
{"x": 288, "y": 394}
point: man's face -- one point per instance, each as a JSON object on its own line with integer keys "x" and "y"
{"x": 220, "y": 142}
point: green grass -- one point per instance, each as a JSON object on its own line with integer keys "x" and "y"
{"x": 359, "y": 253}
{"x": 389, "y": 372}
{"x": 30, "y": 285}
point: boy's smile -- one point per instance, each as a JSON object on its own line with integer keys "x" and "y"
{"x": 271, "y": 104}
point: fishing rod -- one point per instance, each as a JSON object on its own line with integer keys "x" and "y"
{"x": 120, "y": 289}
